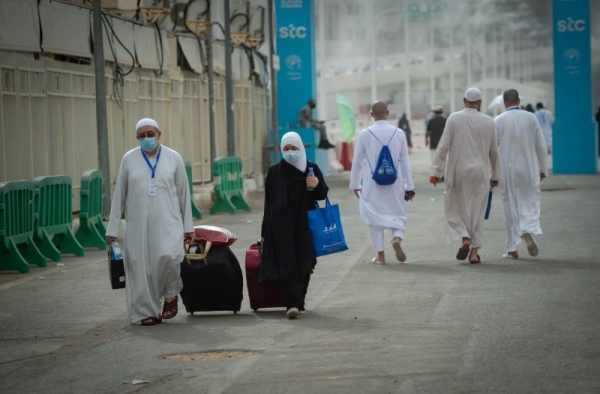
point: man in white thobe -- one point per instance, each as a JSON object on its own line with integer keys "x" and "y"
{"x": 523, "y": 166}
{"x": 382, "y": 207}
{"x": 469, "y": 151}
{"x": 546, "y": 119}
{"x": 153, "y": 190}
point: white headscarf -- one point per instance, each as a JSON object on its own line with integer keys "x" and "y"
{"x": 146, "y": 122}
{"x": 293, "y": 138}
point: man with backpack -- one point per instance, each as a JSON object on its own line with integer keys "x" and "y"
{"x": 382, "y": 181}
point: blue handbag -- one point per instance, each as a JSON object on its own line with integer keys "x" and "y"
{"x": 326, "y": 229}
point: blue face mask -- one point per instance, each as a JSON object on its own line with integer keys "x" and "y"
{"x": 291, "y": 155}
{"x": 148, "y": 144}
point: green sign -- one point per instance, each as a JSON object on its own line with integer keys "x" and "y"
{"x": 423, "y": 10}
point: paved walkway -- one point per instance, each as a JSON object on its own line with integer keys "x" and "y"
{"x": 430, "y": 325}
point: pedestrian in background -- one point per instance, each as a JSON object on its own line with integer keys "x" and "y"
{"x": 382, "y": 207}
{"x": 305, "y": 119}
{"x": 546, "y": 120}
{"x": 469, "y": 151}
{"x": 523, "y": 164}
{"x": 598, "y": 121}
{"x": 152, "y": 188}
{"x": 288, "y": 256}
{"x": 404, "y": 125}
{"x": 434, "y": 131}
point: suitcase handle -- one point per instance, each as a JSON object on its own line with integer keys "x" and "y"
{"x": 197, "y": 256}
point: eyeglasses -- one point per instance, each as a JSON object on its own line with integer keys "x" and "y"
{"x": 149, "y": 134}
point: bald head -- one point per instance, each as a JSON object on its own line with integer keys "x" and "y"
{"x": 379, "y": 110}
{"x": 511, "y": 98}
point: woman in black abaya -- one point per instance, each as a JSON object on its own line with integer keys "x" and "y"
{"x": 288, "y": 256}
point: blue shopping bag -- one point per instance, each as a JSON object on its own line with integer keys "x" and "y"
{"x": 326, "y": 229}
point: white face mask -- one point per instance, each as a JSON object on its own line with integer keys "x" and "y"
{"x": 291, "y": 155}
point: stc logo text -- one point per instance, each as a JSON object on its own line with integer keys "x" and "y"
{"x": 570, "y": 25}
{"x": 292, "y": 31}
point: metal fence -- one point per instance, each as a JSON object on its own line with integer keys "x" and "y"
{"x": 48, "y": 118}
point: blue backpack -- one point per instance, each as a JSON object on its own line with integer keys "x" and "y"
{"x": 385, "y": 172}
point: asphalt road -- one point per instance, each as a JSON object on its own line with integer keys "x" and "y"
{"x": 430, "y": 325}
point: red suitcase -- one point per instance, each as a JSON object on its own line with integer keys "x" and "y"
{"x": 261, "y": 295}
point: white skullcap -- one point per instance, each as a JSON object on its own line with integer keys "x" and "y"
{"x": 473, "y": 94}
{"x": 146, "y": 122}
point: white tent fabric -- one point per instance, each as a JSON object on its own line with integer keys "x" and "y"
{"x": 19, "y": 27}
{"x": 149, "y": 51}
{"x": 219, "y": 57}
{"x": 528, "y": 93}
{"x": 497, "y": 102}
{"x": 66, "y": 28}
{"x": 124, "y": 31}
{"x": 191, "y": 50}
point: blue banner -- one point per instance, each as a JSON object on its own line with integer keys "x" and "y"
{"x": 574, "y": 140}
{"x": 295, "y": 48}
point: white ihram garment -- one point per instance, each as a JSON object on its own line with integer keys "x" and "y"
{"x": 153, "y": 242}
{"x": 522, "y": 157}
{"x": 381, "y": 207}
{"x": 546, "y": 120}
{"x": 469, "y": 151}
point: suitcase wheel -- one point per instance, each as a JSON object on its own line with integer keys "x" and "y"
{"x": 254, "y": 306}
{"x": 192, "y": 313}
{"x": 235, "y": 312}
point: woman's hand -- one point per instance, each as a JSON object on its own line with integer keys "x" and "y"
{"x": 312, "y": 181}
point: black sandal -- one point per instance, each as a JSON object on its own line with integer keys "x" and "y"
{"x": 151, "y": 321}
{"x": 170, "y": 307}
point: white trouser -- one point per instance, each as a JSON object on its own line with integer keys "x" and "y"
{"x": 377, "y": 237}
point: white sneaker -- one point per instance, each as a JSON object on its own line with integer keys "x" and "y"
{"x": 400, "y": 255}
{"x": 375, "y": 261}
{"x": 532, "y": 247}
{"x": 292, "y": 313}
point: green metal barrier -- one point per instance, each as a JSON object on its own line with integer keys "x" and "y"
{"x": 229, "y": 194}
{"x": 188, "y": 170}
{"x": 17, "y": 249}
{"x": 91, "y": 232}
{"x": 53, "y": 215}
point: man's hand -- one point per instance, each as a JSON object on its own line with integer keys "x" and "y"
{"x": 409, "y": 195}
{"x": 357, "y": 192}
{"x": 188, "y": 238}
{"x": 542, "y": 176}
{"x": 493, "y": 183}
{"x": 434, "y": 180}
{"x": 110, "y": 240}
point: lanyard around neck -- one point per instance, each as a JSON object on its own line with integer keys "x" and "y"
{"x": 153, "y": 168}
{"x": 511, "y": 108}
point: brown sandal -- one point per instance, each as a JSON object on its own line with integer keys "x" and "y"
{"x": 170, "y": 308}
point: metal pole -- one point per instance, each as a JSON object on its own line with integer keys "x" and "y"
{"x": 211, "y": 96}
{"x": 273, "y": 80}
{"x": 469, "y": 61}
{"x": 432, "y": 68}
{"x": 229, "y": 83}
{"x": 406, "y": 62}
{"x": 373, "y": 56}
{"x": 322, "y": 60}
{"x": 102, "y": 129}
{"x": 452, "y": 61}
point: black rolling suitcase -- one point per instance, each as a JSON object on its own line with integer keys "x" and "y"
{"x": 213, "y": 283}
